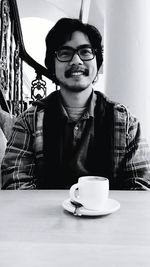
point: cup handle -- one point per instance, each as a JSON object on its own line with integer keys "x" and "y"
{"x": 72, "y": 192}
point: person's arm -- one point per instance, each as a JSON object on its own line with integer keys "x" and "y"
{"x": 19, "y": 160}
{"x": 6, "y": 122}
{"x": 136, "y": 164}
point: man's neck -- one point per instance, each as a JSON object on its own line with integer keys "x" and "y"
{"x": 75, "y": 99}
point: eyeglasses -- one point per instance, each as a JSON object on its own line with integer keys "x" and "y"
{"x": 65, "y": 54}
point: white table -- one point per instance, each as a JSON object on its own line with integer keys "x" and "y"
{"x": 35, "y": 231}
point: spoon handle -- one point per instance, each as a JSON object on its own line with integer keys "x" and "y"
{"x": 77, "y": 208}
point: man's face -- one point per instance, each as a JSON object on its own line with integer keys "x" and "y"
{"x": 76, "y": 74}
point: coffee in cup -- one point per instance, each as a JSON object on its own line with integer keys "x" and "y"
{"x": 91, "y": 191}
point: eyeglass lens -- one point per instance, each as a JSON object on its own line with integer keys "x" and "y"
{"x": 66, "y": 54}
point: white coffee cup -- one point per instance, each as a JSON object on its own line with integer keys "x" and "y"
{"x": 91, "y": 191}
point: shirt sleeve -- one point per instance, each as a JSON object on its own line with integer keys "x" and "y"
{"x": 136, "y": 164}
{"x": 19, "y": 162}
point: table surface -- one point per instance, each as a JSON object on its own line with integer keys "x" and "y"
{"x": 35, "y": 231}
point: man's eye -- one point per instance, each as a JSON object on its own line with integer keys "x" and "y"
{"x": 86, "y": 51}
{"x": 64, "y": 53}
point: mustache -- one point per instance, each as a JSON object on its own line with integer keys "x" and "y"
{"x": 69, "y": 72}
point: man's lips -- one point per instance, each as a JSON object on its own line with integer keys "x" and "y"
{"x": 75, "y": 72}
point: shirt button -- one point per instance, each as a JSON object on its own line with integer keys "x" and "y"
{"x": 76, "y": 128}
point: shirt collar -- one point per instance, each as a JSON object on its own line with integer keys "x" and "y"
{"x": 90, "y": 107}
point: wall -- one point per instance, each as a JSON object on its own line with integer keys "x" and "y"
{"x": 127, "y": 56}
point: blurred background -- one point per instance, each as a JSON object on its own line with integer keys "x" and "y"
{"x": 125, "y": 28}
{"x": 37, "y": 17}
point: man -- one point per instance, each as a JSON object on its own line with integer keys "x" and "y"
{"x": 75, "y": 131}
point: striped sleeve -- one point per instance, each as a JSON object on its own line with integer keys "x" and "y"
{"x": 132, "y": 153}
{"x": 18, "y": 162}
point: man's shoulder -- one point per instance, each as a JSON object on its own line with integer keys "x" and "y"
{"x": 29, "y": 112}
{"x": 118, "y": 107}
{"x": 41, "y": 104}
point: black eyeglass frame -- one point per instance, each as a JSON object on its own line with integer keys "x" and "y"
{"x": 76, "y": 51}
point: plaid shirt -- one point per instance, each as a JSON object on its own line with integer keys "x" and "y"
{"x": 131, "y": 160}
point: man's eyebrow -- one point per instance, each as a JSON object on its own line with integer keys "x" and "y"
{"x": 65, "y": 47}
{"x": 78, "y": 47}
{"x": 84, "y": 46}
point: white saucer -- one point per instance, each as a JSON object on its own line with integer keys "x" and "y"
{"x": 111, "y": 206}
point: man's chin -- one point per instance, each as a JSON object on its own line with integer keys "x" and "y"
{"x": 76, "y": 87}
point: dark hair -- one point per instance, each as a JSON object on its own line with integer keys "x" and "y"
{"x": 61, "y": 32}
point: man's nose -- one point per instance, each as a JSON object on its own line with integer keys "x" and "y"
{"x": 76, "y": 59}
